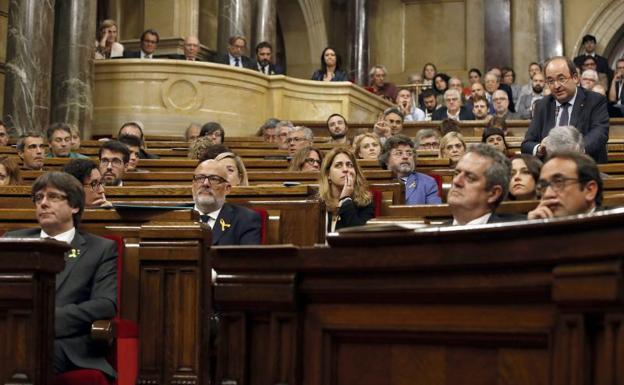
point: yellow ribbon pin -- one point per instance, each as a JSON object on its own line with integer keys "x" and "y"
{"x": 74, "y": 253}
{"x": 223, "y": 224}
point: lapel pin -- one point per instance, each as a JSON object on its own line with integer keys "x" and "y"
{"x": 223, "y": 224}
{"x": 74, "y": 253}
{"x": 412, "y": 185}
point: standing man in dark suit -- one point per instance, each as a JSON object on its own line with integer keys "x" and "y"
{"x": 230, "y": 224}
{"x": 570, "y": 105}
{"x": 264, "y": 56}
{"x": 234, "y": 56}
{"x": 149, "y": 43}
{"x": 86, "y": 290}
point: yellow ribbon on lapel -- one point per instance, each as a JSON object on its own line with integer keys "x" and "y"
{"x": 223, "y": 224}
{"x": 74, "y": 253}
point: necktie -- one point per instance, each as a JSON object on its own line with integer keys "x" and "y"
{"x": 236, "y": 62}
{"x": 204, "y": 218}
{"x": 564, "y": 120}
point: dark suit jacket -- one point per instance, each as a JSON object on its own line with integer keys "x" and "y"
{"x": 236, "y": 225}
{"x": 602, "y": 65}
{"x": 507, "y": 89}
{"x": 86, "y": 291}
{"x": 352, "y": 215}
{"x": 499, "y": 218}
{"x": 464, "y": 114}
{"x": 225, "y": 59}
{"x": 589, "y": 116}
{"x": 181, "y": 57}
{"x": 339, "y": 76}
{"x": 274, "y": 69}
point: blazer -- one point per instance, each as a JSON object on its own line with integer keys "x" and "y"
{"x": 236, "y": 225}
{"x": 274, "y": 69}
{"x": 181, "y": 57}
{"x": 498, "y": 218}
{"x": 589, "y": 116}
{"x": 225, "y": 59}
{"x": 349, "y": 215}
{"x": 464, "y": 114}
{"x": 86, "y": 291}
{"x": 421, "y": 189}
{"x": 339, "y": 76}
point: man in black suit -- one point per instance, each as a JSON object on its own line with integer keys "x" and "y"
{"x": 234, "y": 57}
{"x": 571, "y": 105}
{"x": 589, "y": 43}
{"x": 86, "y": 289}
{"x": 453, "y": 109}
{"x": 569, "y": 184}
{"x": 230, "y": 224}
{"x": 480, "y": 184}
{"x": 264, "y": 56}
{"x": 191, "y": 50}
{"x": 149, "y": 43}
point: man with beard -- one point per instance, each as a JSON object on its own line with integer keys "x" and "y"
{"x": 480, "y": 108}
{"x": 338, "y": 128}
{"x": 429, "y": 102}
{"x": 114, "y": 157}
{"x": 399, "y": 156}
{"x": 527, "y": 101}
{"x": 264, "y": 54}
{"x": 230, "y": 224}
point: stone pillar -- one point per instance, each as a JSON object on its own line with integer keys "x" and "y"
{"x": 497, "y": 33}
{"x": 72, "y": 78}
{"x": 235, "y": 18}
{"x": 358, "y": 21}
{"x": 29, "y": 64}
{"x": 266, "y": 24}
{"x": 549, "y": 29}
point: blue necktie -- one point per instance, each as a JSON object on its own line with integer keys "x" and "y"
{"x": 236, "y": 62}
{"x": 564, "y": 120}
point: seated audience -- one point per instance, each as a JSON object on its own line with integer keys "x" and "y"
{"x": 526, "y": 89}
{"x": 569, "y": 184}
{"x": 114, "y": 157}
{"x": 406, "y": 105}
{"x": 440, "y": 85}
{"x": 59, "y": 140}
{"x": 474, "y": 76}
{"x": 495, "y": 137}
{"x": 400, "y": 157}
{"x": 214, "y": 131}
{"x": 32, "y": 149}
{"x": 477, "y": 89}
{"x": 453, "y": 108}
{"x": 235, "y": 168}
{"x": 480, "y": 108}
{"x": 75, "y": 137}
{"x": 429, "y": 72}
{"x": 390, "y": 123}
{"x": 4, "y": 135}
{"x": 191, "y": 49}
{"x": 367, "y": 146}
{"x": 616, "y": 95}
{"x": 306, "y": 159}
{"x": 134, "y": 146}
{"x": 563, "y": 138}
{"x": 509, "y": 78}
{"x": 338, "y": 127}
{"x": 480, "y": 184}
{"x": 135, "y": 128}
{"x": 283, "y": 128}
{"x": 299, "y": 137}
{"x": 452, "y": 146}
{"x": 525, "y": 171}
{"x": 344, "y": 190}
{"x": 427, "y": 139}
{"x": 106, "y": 45}
{"x": 235, "y": 55}
{"x": 200, "y": 145}
{"x": 87, "y": 173}
{"x": 192, "y": 132}
{"x": 590, "y": 63}
{"x": 230, "y": 224}
{"x": 264, "y": 60}
{"x": 500, "y": 99}
{"x": 497, "y": 122}
{"x": 268, "y": 130}
{"x": 149, "y": 43}
{"x": 589, "y": 79}
{"x": 86, "y": 290}
{"x": 449, "y": 125}
{"x": 429, "y": 103}
{"x": 9, "y": 172}
{"x": 331, "y": 70}
{"x": 378, "y": 84}
{"x": 526, "y": 101}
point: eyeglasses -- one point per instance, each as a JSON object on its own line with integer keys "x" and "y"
{"x": 213, "y": 180}
{"x": 150, "y": 41}
{"x": 95, "y": 185}
{"x": 312, "y": 161}
{"x": 295, "y": 140}
{"x": 429, "y": 146}
{"x": 557, "y": 183}
{"x": 115, "y": 162}
{"x": 561, "y": 80}
{"x": 51, "y": 197}
{"x": 400, "y": 154}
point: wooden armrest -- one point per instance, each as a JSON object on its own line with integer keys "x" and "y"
{"x": 103, "y": 332}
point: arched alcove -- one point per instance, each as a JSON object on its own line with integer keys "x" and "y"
{"x": 607, "y": 25}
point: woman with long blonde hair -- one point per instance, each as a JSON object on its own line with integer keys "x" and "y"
{"x": 344, "y": 190}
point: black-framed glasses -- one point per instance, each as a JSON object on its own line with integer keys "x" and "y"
{"x": 560, "y": 80}
{"x": 312, "y": 161}
{"x": 95, "y": 185}
{"x": 51, "y": 197}
{"x": 557, "y": 183}
{"x": 213, "y": 180}
{"x": 115, "y": 162}
{"x": 400, "y": 154}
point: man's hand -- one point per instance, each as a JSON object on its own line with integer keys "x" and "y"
{"x": 543, "y": 210}
{"x": 381, "y": 129}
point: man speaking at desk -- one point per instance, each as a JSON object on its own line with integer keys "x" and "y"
{"x": 568, "y": 105}
{"x": 86, "y": 290}
{"x": 230, "y": 224}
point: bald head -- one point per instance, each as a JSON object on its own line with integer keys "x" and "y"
{"x": 210, "y": 186}
{"x": 191, "y": 47}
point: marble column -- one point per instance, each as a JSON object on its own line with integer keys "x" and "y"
{"x": 72, "y": 77}
{"x": 235, "y": 18}
{"x": 266, "y": 24}
{"x": 549, "y": 29}
{"x": 497, "y": 33}
{"x": 28, "y": 64}
{"x": 358, "y": 47}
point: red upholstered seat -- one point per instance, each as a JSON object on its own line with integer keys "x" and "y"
{"x": 81, "y": 377}
{"x": 438, "y": 180}
{"x": 264, "y": 218}
{"x": 377, "y": 201}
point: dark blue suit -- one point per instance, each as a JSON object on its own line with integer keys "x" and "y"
{"x": 236, "y": 225}
{"x": 589, "y": 116}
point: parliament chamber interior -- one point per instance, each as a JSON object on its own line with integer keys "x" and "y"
{"x": 312, "y": 192}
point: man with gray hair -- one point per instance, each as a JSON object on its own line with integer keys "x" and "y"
{"x": 453, "y": 108}
{"x": 427, "y": 139}
{"x": 564, "y": 138}
{"x": 378, "y": 84}
{"x": 283, "y": 128}
{"x": 589, "y": 79}
{"x": 480, "y": 184}
{"x": 298, "y": 138}
{"x": 268, "y": 130}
